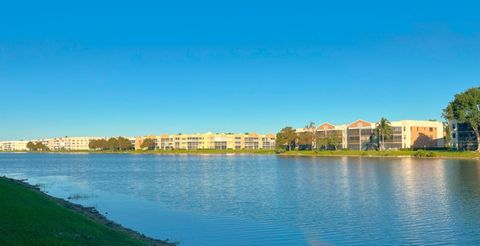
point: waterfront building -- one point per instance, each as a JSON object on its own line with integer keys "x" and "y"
{"x": 462, "y": 136}
{"x": 417, "y": 134}
{"x": 360, "y": 135}
{"x": 219, "y": 141}
{"x": 68, "y": 143}
{"x": 327, "y": 131}
{"x": 137, "y": 141}
{"x": 54, "y": 144}
{"x": 13, "y": 145}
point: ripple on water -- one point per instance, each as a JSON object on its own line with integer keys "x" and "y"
{"x": 267, "y": 200}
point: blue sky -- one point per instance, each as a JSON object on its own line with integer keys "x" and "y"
{"x": 151, "y": 67}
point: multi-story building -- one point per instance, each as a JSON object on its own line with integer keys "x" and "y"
{"x": 338, "y": 134}
{"x": 68, "y": 143}
{"x": 360, "y": 135}
{"x": 13, "y": 145}
{"x": 418, "y": 134}
{"x": 462, "y": 136}
{"x": 251, "y": 141}
{"x": 54, "y": 144}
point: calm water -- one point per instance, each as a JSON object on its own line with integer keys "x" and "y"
{"x": 269, "y": 200}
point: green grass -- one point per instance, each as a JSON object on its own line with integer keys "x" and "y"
{"x": 29, "y": 217}
{"x": 388, "y": 153}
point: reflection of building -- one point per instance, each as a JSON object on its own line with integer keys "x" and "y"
{"x": 360, "y": 135}
{"x": 463, "y": 136}
{"x": 221, "y": 141}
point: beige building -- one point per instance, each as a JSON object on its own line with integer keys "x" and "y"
{"x": 68, "y": 143}
{"x": 13, "y": 145}
{"x": 360, "y": 135}
{"x": 54, "y": 144}
{"x": 250, "y": 141}
{"x": 418, "y": 134}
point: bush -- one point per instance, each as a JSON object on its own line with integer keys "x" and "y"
{"x": 279, "y": 151}
{"x": 424, "y": 153}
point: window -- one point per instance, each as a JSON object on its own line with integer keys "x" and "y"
{"x": 431, "y": 129}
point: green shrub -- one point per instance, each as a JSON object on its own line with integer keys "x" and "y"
{"x": 423, "y": 153}
{"x": 279, "y": 151}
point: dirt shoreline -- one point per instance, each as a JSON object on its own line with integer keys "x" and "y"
{"x": 93, "y": 214}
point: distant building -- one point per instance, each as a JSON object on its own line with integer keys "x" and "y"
{"x": 68, "y": 143}
{"x": 419, "y": 134}
{"x": 220, "y": 141}
{"x": 13, "y": 145}
{"x": 360, "y": 135}
{"x": 54, "y": 144}
{"x": 462, "y": 136}
{"x": 327, "y": 130}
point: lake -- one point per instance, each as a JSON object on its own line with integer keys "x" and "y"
{"x": 267, "y": 199}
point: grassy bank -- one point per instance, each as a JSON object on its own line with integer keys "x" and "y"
{"x": 30, "y": 217}
{"x": 388, "y": 153}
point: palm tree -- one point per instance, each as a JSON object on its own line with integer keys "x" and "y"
{"x": 384, "y": 130}
{"x": 313, "y": 131}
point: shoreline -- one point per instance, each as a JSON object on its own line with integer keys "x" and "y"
{"x": 386, "y": 154}
{"x": 90, "y": 213}
{"x": 423, "y": 154}
{"x": 157, "y": 152}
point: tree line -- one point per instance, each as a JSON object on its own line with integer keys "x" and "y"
{"x": 113, "y": 144}
{"x": 37, "y": 146}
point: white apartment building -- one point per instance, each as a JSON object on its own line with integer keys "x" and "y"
{"x": 13, "y": 145}
{"x": 54, "y": 144}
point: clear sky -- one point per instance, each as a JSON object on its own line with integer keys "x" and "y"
{"x": 85, "y": 68}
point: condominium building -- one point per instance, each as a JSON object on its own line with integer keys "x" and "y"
{"x": 13, "y": 145}
{"x": 68, "y": 143}
{"x": 251, "y": 141}
{"x": 462, "y": 136}
{"x": 418, "y": 134}
{"x": 360, "y": 135}
{"x": 339, "y": 133}
{"x": 54, "y": 144}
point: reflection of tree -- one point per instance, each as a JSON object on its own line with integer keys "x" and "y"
{"x": 463, "y": 190}
{"x": 467, "y": 181}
